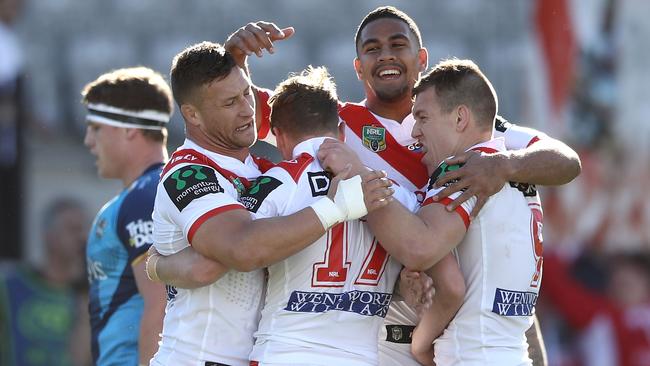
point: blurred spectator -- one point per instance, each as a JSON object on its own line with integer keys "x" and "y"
{"x": 42, "y": 310}
{"x": 616, "y": 320}
{"x": 11, "y": 128}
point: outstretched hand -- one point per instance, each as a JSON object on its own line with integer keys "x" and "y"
{"x": 482, "y": 175}
{"x": 253, "y": 38}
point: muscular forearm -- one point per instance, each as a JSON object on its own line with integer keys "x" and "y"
{"x": 417, "y": 241}
{"x": 401, "y": 233}
{"x": 189, "y": 269}
{"x": 546, "y": 162}
{"x": 249, "y": 245}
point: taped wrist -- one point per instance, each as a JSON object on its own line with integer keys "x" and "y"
{"x": 328, "y": 212}
{"x": 349, "y": 198}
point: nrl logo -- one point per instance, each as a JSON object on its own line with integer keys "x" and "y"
{"x": 374, "y": 138}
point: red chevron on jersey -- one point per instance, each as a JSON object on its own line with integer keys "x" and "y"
{"x": 296, "y": 166}
{"x": 407, "y": 162}
{"x": 262, "y": 163}
{"x": 193, "y": 156}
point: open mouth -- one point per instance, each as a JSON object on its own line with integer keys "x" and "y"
{"x": 389, "y": 73}
{"x": 244, "y": 127}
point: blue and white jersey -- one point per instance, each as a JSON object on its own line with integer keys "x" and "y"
{"x": 120, "y": 236}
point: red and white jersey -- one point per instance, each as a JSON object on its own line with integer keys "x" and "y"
{"x": 501, "y": 260}
{"x": 325, "y": 304}
{"x": 214, "y": 323}
{"x": 385, "y": 144}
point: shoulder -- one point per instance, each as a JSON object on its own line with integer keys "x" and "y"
{"x": 352, "y": 112}
{"x": 296, "y": 167}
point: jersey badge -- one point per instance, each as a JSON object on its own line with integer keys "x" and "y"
{"x": 319, "y": 182}
{"x": 258, "y": 192}
{"x": 239, "y": 186}
{"x": 374, "y": 138}
{"x": 189, "y": 183}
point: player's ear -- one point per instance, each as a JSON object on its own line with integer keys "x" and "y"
{"x": 341, "y": 131}
{"x": 423, "y": 59}
{"x": 191, "y": 114}
{"x": 462, "y": 117}
{"x": 357, "y": 68}
{"x": 131, "y": 133}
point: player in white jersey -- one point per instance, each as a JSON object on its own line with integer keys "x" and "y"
{"x": 499, "y": 251}
{"x": 196, "y": 204}
{"x": 389, "y": 59}
{"x": 326, "y": 304}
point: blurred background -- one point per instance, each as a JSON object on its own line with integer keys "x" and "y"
{"x": 575, "y": 69}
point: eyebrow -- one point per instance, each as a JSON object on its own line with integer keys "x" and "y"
{"x": 391, "y": 38}
{"x": 241, "y": 92}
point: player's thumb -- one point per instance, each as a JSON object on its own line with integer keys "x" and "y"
{"x": 286, "y": 33}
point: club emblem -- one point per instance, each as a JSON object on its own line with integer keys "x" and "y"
{"x": 374, "y": 138}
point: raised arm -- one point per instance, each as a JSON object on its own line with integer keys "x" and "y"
{"x": 540, "y": 160}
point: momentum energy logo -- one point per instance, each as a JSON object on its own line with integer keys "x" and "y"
{"x": 253, "y": 199}
{"x": 191, "y": 182}
{"x": 514, "y": 303}
{"x": 361, "y": 302}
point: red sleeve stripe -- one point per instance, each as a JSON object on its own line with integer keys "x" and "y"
{"x": 532, "y": 141}
{"x": 214, "y": 212}
{"x": 445, "y": 201}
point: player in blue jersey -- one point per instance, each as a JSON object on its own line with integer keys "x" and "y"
{"x": 128, "y": 111}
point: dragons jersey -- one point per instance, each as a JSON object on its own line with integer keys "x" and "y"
{"x": 501, "y": 260}
{"x": 214, "y": 323}
{"x": 325, "y": 304}
{"x": 120, "y": 235}
{"x": 385, "y": 144}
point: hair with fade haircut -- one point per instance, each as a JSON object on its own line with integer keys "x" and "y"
{"x": 134, "y": 89}
{"x": 457, "y": 82}
{"x": 306, "y": 104}
{"x": 198, "y": 65}
{"x": 388, "y": 12}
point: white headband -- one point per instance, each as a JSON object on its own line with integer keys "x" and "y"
{"x": 118, "y": 117}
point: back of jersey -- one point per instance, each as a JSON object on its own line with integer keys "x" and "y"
{"x": 325, "y": 304}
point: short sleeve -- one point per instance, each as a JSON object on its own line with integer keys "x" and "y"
{"x": 191, "y": 194}
{"x": 516, "y": 137}
{"x": 134, "y": 222}
{"x": 406, "y": 198}
{"x": 270, "y": 194}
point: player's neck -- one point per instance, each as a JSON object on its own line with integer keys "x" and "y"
{"x": 395, "y": 110}
{"x": 217, "y": 146}
{"x": 142, "y": 160}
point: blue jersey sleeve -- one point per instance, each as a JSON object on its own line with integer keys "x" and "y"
{"x": 134, "y": 222}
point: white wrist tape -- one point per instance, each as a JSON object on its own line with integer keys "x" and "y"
{"x": 328, "y": 213}
{"x": 349, "y": 198}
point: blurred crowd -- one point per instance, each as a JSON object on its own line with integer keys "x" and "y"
{"x": 595, "y": 299}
